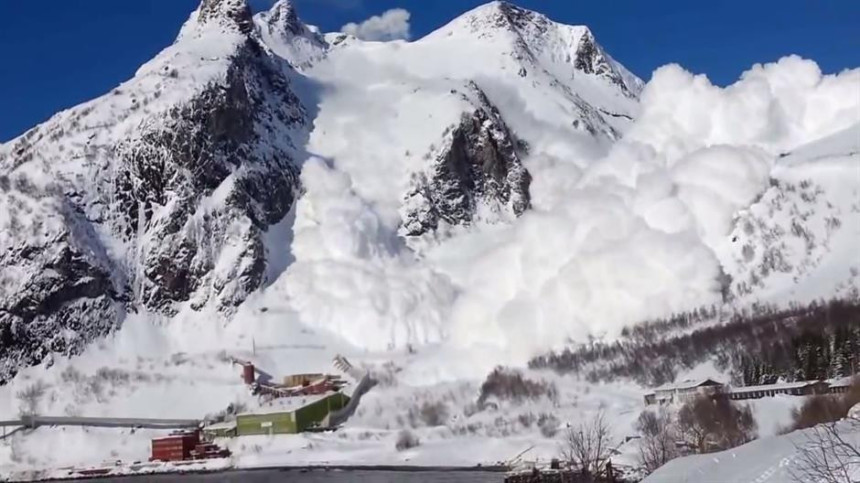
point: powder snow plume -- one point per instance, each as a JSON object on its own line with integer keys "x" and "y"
{"x": 611, "y": 239}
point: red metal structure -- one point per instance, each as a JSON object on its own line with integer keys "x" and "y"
{"x": 209, "y": 450}
{"x": 248, "y": 373}
{"x": 184, "y": 446}
{"x": 176, "y": 447}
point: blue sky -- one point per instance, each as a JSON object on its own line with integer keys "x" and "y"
{"x": 55, "y": 54}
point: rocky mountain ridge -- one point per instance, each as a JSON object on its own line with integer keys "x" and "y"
{"x": 162, "y": 195}
{"x": 154, "y": 195}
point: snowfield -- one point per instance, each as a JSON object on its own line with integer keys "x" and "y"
{"x": 645, "y": 199}
{"x": 773, "y": 459}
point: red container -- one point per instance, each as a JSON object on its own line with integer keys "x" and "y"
{"x": 176, "y": 447}
{"x": 248, "y": 373}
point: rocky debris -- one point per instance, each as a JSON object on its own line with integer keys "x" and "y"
{"x": 476, "y": 174}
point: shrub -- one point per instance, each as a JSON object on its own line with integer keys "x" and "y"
{"x": 659, "y": 434}
{"x": 30, "y": 397}
{"x": 709, "y": 424}
{"x": 510, "y": 384}
{"x": 433, "y": 414}
{"x": 588, "y": 444}
{"x": 548, "y": 425}
{"x": 406, "y": 440}
{"x": 825, "y": 408}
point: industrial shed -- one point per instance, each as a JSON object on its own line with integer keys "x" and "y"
{"x": 290, "y": 415}
{"x": 226, "y": 429}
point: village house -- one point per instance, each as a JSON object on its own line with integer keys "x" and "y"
{"x": 684, "y": 390}
{"x": 841, "y": 386}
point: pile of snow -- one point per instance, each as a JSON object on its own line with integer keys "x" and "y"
{"x": 854, "y": 412}
{"x": 615, "y": 236}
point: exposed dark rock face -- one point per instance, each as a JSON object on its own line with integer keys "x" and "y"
{"x": 182, "y": 197}
{"x": 591, "y": 59}
{"x": 56, "y": 292}
{"x": 283, "y": 17}
{"x": 478, "y": 165}
{"x": 220, "y": 134}
{"x": 291, "y": 39}
{"x": 235, "y": 12}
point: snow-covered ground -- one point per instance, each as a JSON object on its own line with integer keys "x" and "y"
{"x": 630, "y": 219}
{"x": 777, "y": 459}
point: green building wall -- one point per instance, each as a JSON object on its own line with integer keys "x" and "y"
{"x": 314, "y": 413}
{"x": 290, "y": 422}
{"x": 250, "y": 424}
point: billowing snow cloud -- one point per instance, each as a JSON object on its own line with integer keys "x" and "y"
{"x": 612, "y": 239}
{"x": 391, "y": 25}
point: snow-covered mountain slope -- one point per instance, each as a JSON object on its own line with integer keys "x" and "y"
{"x": 423, "y": 140}
{"x": 618, "y": 232}
{"x": 798, "y": 242}
{"x": 478, "y": 196}
{"x": 496, "y": 183}
{"x": 154, "y": 195}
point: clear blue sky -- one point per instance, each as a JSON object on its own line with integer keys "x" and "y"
{"x": 57, "y": 53}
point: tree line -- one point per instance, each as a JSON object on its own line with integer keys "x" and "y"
{"x": 758, "y": 345}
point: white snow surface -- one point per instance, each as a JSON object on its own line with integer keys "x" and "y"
{"x": 767, "y": 460}
{"x": 629, "y": 220}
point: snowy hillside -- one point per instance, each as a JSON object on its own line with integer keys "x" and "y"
{"x": 152, "y": 196}
{"x": 778, "y": 459}
{"x": 430, "y": 209}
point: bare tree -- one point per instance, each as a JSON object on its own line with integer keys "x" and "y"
{"x": 827, "y": 455}
{"x": 30, "y": 398}
{"x": 658, "y": 442}
{"x": 587, "y": 445}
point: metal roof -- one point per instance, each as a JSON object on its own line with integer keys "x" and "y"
{"x": 287, "y": 404}
{"x": 775, "y": 387}
{"x": 687, "y": 384}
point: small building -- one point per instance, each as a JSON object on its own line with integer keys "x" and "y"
{"x": 176, "y": 447}
{"x": 294, "y": 380}
{"x": 800, "y": 388}
{"x": 226, "y": 429}
{"x": 842, "y": 385}
{"x": 684, "y": 390}
{"x": 290, "y": 415}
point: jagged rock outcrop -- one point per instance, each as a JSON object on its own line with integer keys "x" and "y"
{"x": 153, "y": 197}
{"x": 591, "y": 59}
{"x": 476, "y": 174}
{"x": 289, "y": 37}
{"x": 58, "y": 288}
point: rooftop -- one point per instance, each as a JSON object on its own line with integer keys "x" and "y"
{"x": 226, "y": 425}
{"x": 772, "y": 387}
{"x": 287, "y": 404}
{"x": 688, "y": 384}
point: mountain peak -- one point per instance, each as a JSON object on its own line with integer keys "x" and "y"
{"x": 230, "y": 14}
{"x": 284, "y": 18}
{"x": 284, "y": 32}
{"x": 501, "y": 15}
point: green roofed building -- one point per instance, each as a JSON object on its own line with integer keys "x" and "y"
{"x": 290, "y": 414}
